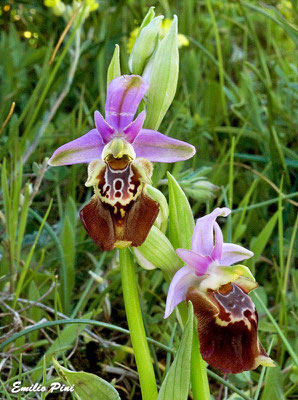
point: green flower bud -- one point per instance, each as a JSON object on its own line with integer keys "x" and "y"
{"x": 114, "y": 69}
{"x": 144, "y": 46}
{"x": 200, "y": 191}
{"x": 196, "y": 185}
{"x": 163, "y": 78}
{"x": 157, "y": 252}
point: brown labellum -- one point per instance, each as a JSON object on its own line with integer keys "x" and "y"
{"x": 227, "y": 328}
{"x": 120, "y": 214}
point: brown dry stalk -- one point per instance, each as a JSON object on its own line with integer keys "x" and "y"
{"x": 66, "y": 29}
{"x": 266, "y": 180}
{"x": 13, "y": 104}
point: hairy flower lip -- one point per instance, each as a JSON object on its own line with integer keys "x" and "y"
{"x": 227, "y": 329}
{"x": 120, "y": 213}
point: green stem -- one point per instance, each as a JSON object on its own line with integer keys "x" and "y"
{"x": 136, "y": 326}
{"x": 199, "y": 379}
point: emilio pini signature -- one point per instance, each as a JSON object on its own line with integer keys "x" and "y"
{"x": 17, "y": 387}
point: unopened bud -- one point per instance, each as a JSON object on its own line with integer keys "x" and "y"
{"x": 157, "y": 252}
{"x": 164, "y": 78}
{"x": 144, "y": 46}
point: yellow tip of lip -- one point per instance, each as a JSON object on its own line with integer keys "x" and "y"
{"x": 265, "y": 361}
{"x": 122, "y": 244}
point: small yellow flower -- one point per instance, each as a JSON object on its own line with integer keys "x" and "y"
{"x": 164, "y": 28}
{"x": 132, "y": 38}
{"x": 286, "y": 9}
{"x": 27, "y": 34}
{"x": 182, "y": 40}
{"x": 92, "y": 5}
{"x": 57, "y": 5}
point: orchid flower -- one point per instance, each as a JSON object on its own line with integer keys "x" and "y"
{"x": 227, "y": 318}
{"x": 119, "y": 152}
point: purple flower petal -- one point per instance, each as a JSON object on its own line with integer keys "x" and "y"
{"x": 82, "y": 150}
{"x": 233, "y": 253}
{"x": 104, "y": 129}
{"x": 182, "y": 280}
{"x": 202, "y": 238}
{"x": 123, "y": 98}
{"x": 218, "y": 242}
{"x": 199, "y": 263}
{"x": 155, "y": 146}
{"x": 131, "y": 131}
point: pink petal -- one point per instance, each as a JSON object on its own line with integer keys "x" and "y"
{"x": 123, "y": 98}
{"x": 182, "y": 280}
{"x": 104, "y": 129}
{"x": 232, "y": 253}
{"x": 218, "y": 242}
{"x": 82, "y": 150}
{"x": 155, "y": 146}
{"x": 202, "y": 238}
{"x": 131, "y": 131}
{"x": 199, "y": 263}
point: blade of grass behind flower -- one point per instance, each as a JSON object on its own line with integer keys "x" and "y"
{"x": 84, "y": 297}
{"x": 283, "y": 23}
{"x": 259, "y": 243}
{"x": 28, "y": 260}
{"x": 28, "y": 131}
{"x": 282, "y": 336}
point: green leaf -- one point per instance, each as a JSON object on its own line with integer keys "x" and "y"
{"x": 87, "y": 386}
{"x": 164, "y": 78}
{"x": 114, "y": 69}
{"x": 68, "y": 276}
{"x": 23, "y": 220}
{"x": 176, "y": 383}
{"x": 34, "y": 312}
{"x": 273, "y": 385}
{"x": 181, "y": 222}
{"x": 71, "y": 211}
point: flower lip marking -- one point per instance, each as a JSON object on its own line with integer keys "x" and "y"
{"x": 118, "y": 185}
{"x": 235, "y": 301}
{"x": 233, "y": 305}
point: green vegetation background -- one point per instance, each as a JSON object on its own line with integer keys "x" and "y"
{"x": 236, "y": 102}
